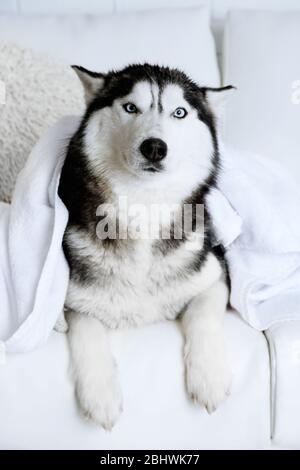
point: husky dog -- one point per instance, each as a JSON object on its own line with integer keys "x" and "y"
{"x": 148, "y": 134}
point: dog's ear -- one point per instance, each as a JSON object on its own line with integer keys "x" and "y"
{"x": 92, "y": 82}
{"x": 217, "y": 97}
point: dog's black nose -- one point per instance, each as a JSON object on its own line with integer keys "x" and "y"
{"x": 153, "y": 149}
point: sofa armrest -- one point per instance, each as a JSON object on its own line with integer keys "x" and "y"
{"x": 284, "y": 347}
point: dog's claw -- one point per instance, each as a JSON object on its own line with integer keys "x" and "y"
{"x": 210, "y": 409}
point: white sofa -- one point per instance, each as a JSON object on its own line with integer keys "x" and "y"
{"x": 40, "y": 410}
{"x": 37, "y": 404}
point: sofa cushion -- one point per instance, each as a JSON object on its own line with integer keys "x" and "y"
{"x": 284, "y": 343}
{"x": 38, "y": 409}
{"x": 178, "y": 37}
{"x": 41, "y": 89}
{"x": 262, "y": 58}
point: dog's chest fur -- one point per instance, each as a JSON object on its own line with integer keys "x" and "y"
{"x": 133, "y": 282}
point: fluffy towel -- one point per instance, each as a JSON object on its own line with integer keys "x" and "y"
{"x": 256, "y": 216}
{"x": 264, "y": 260}
{"x": 33, "y": 271}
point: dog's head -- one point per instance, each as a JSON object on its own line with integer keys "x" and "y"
{"x": 148, "y": 119}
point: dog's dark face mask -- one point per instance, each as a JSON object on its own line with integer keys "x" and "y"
{"x": 151, "y": 120}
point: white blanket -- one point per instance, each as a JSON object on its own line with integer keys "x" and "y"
{"x": 264, "y": 258}
{"x": 255, "y": 213}
{"x": 33, "y": 271}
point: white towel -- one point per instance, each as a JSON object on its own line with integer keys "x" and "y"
{"x": 33, "y": 271}
{"x": 264, "y": 259}
{"x": 255, "y": 213}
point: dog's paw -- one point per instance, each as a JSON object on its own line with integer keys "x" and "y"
{"x": 100, "y": 398}
{"x": 208, "y": 375}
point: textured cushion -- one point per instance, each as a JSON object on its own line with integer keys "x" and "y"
{"x": 262, "y": 58}
{"x": 38, "y": 92}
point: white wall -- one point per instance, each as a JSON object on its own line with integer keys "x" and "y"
{"x": 218, "y": 8}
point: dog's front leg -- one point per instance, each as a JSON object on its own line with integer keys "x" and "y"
{"x": 208, "y": 375}
{"x": 94, "y": 370}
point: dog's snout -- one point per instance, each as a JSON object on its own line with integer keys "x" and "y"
{"x": 153, "y": 149}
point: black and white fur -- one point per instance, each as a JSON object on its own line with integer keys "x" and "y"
{"x": 120, "y": 283}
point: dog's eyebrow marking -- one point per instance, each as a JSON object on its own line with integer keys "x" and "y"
{"x": 172, "y": 96}
{"x": 152, "y": 95}
{"x": 155, "y": 95}
{"x": 160, "y": 91}
{"x": 141, "y": 95}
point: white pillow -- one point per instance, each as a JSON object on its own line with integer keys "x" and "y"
{"x": 40, "y": 90}
{"x": 262, "y": 58}
{"x": 179, "y": 37}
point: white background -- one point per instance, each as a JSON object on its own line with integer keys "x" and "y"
{"x": 218, "y": 7}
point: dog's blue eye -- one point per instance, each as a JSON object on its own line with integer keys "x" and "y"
{"x": 130, "y": 108}
{"x": 180, "y": 113}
